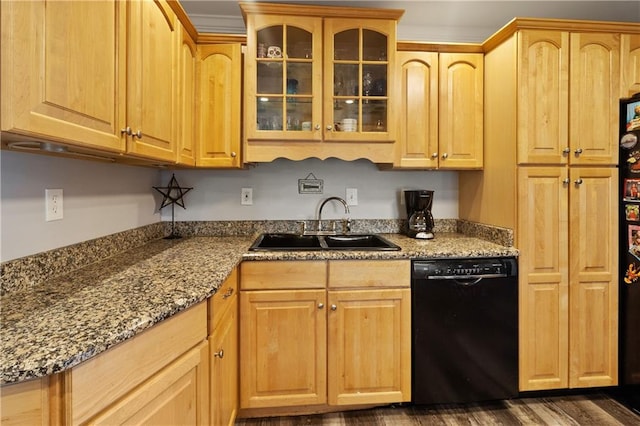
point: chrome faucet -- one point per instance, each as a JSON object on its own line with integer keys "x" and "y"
{"x": 344, "y": 203}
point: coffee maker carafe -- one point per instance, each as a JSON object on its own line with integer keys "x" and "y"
{"x": 420, "y": 221}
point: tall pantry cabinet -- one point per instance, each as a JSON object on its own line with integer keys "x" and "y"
{"x": 551, "y": 114}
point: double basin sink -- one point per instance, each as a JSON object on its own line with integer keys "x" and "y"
{"x": 295, "y": 242}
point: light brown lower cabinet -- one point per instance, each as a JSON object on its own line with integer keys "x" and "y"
{"x": 316, "y": 334}
{"x": 26, "y": 403}
{"x": 223, "y": 352}
{"x": 159, "y": 376}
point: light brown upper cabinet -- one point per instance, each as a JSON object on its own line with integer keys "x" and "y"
{"x": 569, "y": 86}
{"x": 630, "y": 61}
{"x": 316, "y": 82}
{"x": 441, "y": 110}
{"x": 63, "y": 72}
{"x": 106, "y": 83}
{"x": 151, "y": 80}
{"x": 187, "y": 66}
{"x": 220, "y": 79}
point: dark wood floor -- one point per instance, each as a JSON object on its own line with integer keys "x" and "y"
{"x": 584, "y": 410}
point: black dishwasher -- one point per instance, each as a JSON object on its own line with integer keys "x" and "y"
{"x": 464, "y": 330}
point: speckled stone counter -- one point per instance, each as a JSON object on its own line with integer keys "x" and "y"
{"x": 53, "y": 326}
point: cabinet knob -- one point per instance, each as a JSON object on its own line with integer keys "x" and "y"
{"x": 317, "y": 127}
{"x": 566, "y": 150}
{"x": 219, "y": 354}
{"x": 578, "y": 151}
{"x": 126, "y": 131}
{"x": 320, "y": 305}
{"x": 434, "y": 155}
{"x": 578, "y": 181}
{"x": 334, "y": 307}
{"x": 566, "y": 181}
{"x": 138, "y": 134}
{"x": 329, "y": 127}
{"x": 233, "y": 154}
{"x": 445, "y": 155}
{"x": 228, "y": 293}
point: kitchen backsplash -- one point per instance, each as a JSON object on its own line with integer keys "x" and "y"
{"x": 34, "y": 270}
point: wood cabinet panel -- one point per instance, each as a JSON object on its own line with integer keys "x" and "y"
{"x": 418, "y": 118}
{"x": 224, "y": 367}
{"x": 283, "y": 349}
{"x": 100, "y": 381}
{"x": 369, "y": 273}
{"x": 593, "y": 278}
{"x": 219, "y": 105}
{"x": 151, "y": 81}
{"x": 461, "y": 110}
{"x": 370, "y": 346}
{"x": 177, "y": 395}
{"x": 259, "y": 275}
{"x": 25, "y": 403}
{"x": 50, "y": 70}
{"x": 543, "y": 97}
{"x": 630, "y": 62}
{"x": 186, "y": 95}
{"x": 544, "y": 281}
{"x": 594, "y": 92}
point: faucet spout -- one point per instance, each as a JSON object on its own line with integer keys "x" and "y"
{"x": 344, "y": 203}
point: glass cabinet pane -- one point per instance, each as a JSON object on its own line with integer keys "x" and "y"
{"x": 299, "y": 43}
{"x": 360, "y": 81}
{"x": 284, "y": 90}
{"x": 347, "y": 45}
{"x": 374, "y": 46}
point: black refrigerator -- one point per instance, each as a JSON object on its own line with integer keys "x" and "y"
{"x": 629, "y": 283}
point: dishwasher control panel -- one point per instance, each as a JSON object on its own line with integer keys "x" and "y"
{"x": 463, "y": 268}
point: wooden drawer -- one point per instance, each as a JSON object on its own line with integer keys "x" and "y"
{"x": 97, "y": 383}
{"x": 285, "y": 274}
{"x": 224, "y": 297}
{"x": 369, "y": 273}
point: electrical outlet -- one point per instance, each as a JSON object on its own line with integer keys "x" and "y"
{"x": 246, "y": 196}
{"x": 352, "y": 196}
{"x": 53, "y": 204}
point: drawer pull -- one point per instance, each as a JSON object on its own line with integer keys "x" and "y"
{"x": 228, "y": 293}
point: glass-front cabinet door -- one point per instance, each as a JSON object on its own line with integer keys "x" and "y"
{"x": 284, "y": 81}
{"x": 357, "y": 55}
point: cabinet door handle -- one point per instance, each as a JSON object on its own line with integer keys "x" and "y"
{"x": 320, "y": 305}
{"x": 138, "y": 134}
{"x": 445, "y": 155}
{"x": 434, "y": 155}
{"x": 578, "y": 151}
{"x": 566, "y": 181}
{"x": 228, "y": 293}
{"x": 219, "y": 354}
{"x": 334, "y": 307}
{"x": 126, "y": 131}
{"x": 578, "y": 181}
{"x": 566, "y": 150}
{"x": 329, "y": 127}
{"x": 233, "y": 154}
{"x": 317, "y": 127}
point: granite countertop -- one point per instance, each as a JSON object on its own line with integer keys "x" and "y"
{"x": 73, "y": 317}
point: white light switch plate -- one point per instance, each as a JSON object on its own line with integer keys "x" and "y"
{"x": 352, "y": 196}
{"x": 246, "y": 196}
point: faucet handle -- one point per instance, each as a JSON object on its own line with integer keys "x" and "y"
{"x": 346, "y": 225}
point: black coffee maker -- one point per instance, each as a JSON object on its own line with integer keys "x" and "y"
{"x": 420, "y": 220}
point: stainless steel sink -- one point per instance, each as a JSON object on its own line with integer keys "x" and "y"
{"x": 295, "y": 242}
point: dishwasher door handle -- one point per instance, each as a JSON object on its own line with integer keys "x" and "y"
{"x": 465, "y": 277}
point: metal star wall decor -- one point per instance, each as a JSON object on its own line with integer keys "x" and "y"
{"x": 173, "y": 194}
